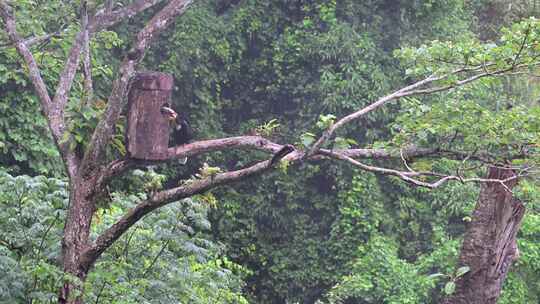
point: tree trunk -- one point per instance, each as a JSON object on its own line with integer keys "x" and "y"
{"x": 147, "y": 130}
{"x": 75, "y": 241}
{"x": 489, "y": 246}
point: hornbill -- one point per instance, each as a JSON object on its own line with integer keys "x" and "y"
{"x": 182, "y": 132}
{"x": 286, "y": 149}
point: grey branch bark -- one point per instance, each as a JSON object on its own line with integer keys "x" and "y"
{"x": 413, "y": 89}
{"x": 119, "y": 166}
{"x": 107, "y": 17}
{"x": 191, "y": 188}
{"x": 379, "y": 103}
{"x": 163, "y": 198}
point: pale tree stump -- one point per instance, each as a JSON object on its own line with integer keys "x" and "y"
{"x": 147, "y": 132}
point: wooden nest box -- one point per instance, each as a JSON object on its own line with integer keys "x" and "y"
{"x": 147, "y": 131}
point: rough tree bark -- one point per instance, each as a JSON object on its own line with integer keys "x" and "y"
{"x": 489, "y": 246}
{"x": 147, "y": 129}
{"x": 76, "y": 238}
{"x": 148, "y": 92}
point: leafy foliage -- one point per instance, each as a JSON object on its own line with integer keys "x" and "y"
{"x": 165, "y": 258}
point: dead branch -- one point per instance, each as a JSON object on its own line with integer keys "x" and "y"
{"x": 193, "y": 187}
{"x": 107, "y": 17}
{"x": 353, "y": 116}
{"x": 411, "y": 176}
{"x": 163, "y": 198}
{"x": 119, "y": 166}
{"x": 413, "y": 89}
{"x": 51, "y": 110}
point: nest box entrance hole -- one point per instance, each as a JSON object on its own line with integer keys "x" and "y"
{"x": 147, "y": 131}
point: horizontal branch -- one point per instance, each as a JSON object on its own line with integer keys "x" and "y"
{"x": 259, "y": 143}
{"x": 119, "y": 166}
{"x": 239, "y": 142}
{"x": 193, "y": 187}
{"x": 29, "y": 42}
{"x": 412, "y": 176}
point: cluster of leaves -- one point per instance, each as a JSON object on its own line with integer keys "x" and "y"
{"x": 165, "y": 258}
{"x": 379, "y": 276}
{"x": 33, "y": 209}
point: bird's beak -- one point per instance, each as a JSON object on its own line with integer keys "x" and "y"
{"x": 170, "y": 113}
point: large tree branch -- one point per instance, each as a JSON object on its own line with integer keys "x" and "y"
{"x": 67, "y": 76}
{"x": 413, "y": 89}
{"x": 193, "y": 187}
{"x": 106, "y": 125}
{"x": 107, "y": 17}
{"x": 412, "y": 176}
{"x": 119, "y": 166}
{"x": 53, "y": 115}
{"x": 163, "y": 198}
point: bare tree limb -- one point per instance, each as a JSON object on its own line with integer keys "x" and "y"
{"x": 353, "y": 116}
{"x": 6, "y": 12}
{"x": 87, "y": 63}
{"x": 190, "y": 188}
{"x": 51, "y": 111}
{"x": 107, "y": 17}
{"x": 163, "y": 198}
{"x": 461, "y": 82}
{"x": 413, "y": 89}
{"x": 119, "y": 166}
{"x": 66, "y": 81}
{"x": 409, "y": 176}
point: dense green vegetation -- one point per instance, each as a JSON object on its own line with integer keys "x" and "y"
{"x": 320, "y": 232}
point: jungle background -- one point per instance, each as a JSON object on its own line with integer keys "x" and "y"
{"x": 322, "y": 232}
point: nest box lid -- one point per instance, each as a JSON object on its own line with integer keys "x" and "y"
{"x": 153, "y": 81}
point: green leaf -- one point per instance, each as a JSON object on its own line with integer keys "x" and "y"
{"x": 449, "y": 288}
{"x": 462, "y": 270}
{"x": 307, "y": 139}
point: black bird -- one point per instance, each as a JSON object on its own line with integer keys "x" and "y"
{"x": 182, "y": 132}
{"x": 286, "y": 149}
